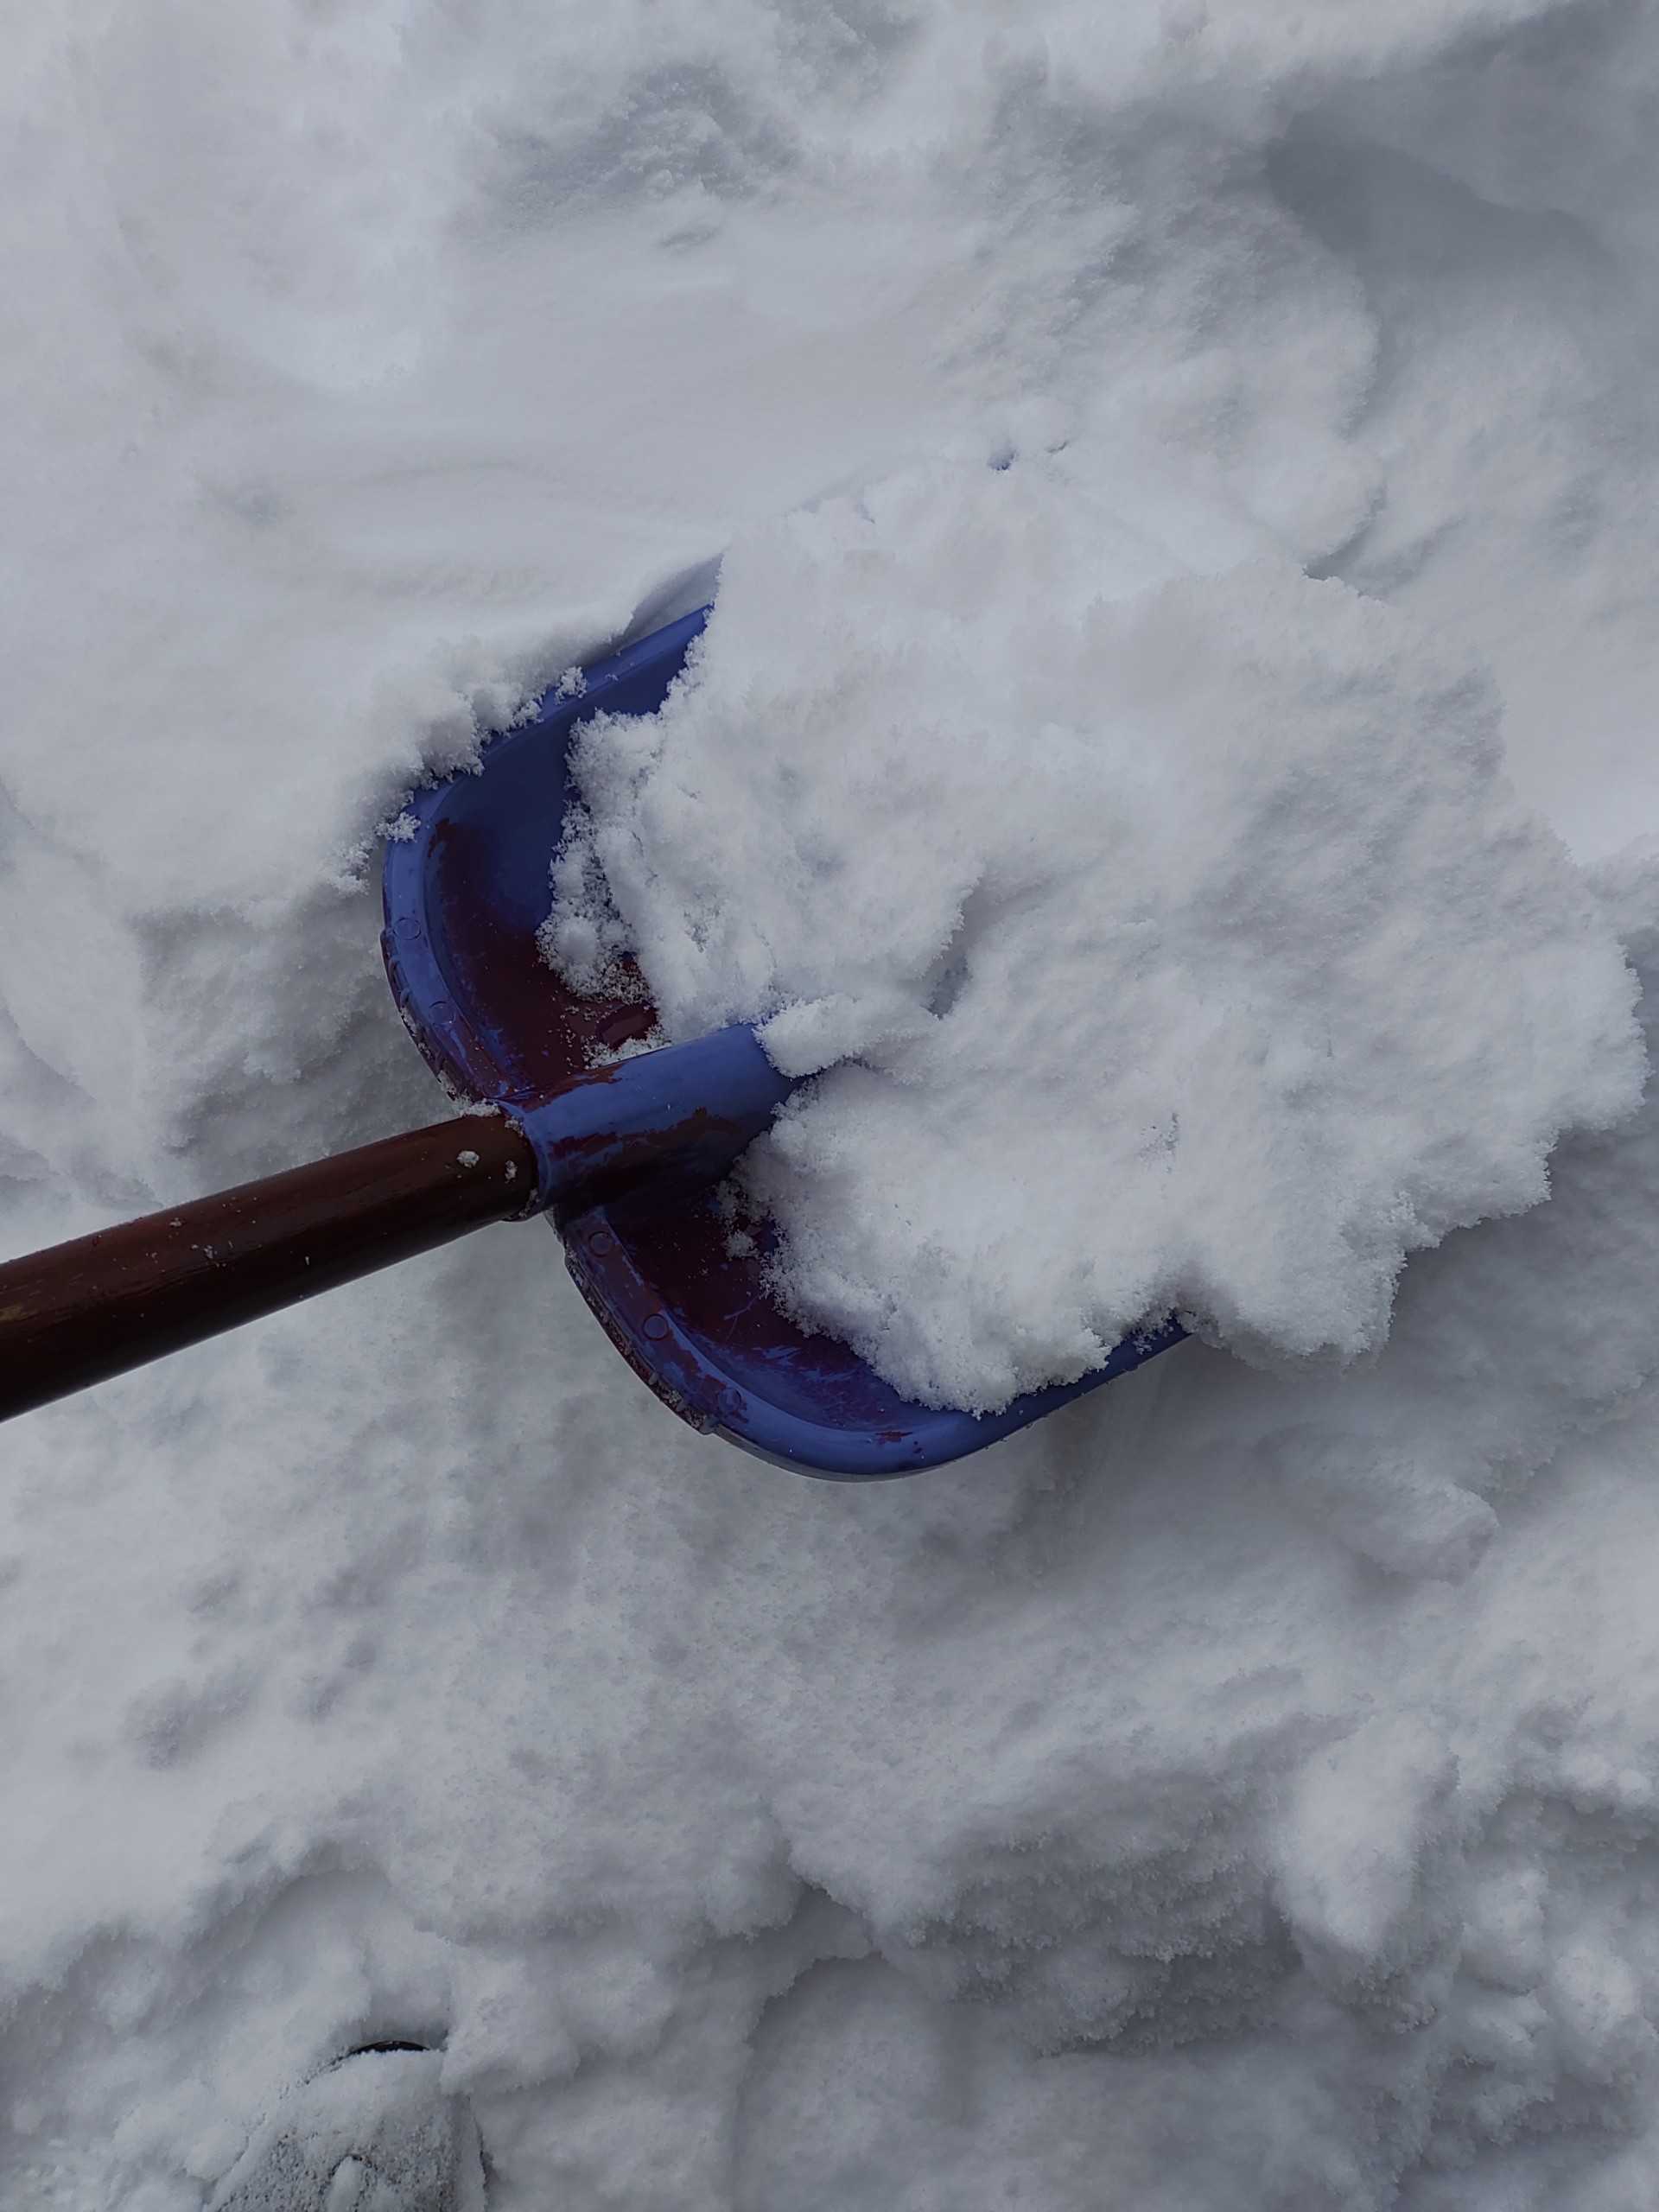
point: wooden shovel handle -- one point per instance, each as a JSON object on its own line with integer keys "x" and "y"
{"x": 92, "y": 1308}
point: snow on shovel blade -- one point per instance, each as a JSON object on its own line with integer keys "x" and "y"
{"x": 465, "y": 892}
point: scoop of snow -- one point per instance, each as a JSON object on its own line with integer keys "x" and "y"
{"x": 1158, "y": 940}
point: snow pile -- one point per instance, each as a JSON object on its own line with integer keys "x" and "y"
{"x": 1239, "y": 1790}
{"x": 1190, "y": 946}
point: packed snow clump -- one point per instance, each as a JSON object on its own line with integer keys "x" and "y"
{"x": 1178, "y": 939}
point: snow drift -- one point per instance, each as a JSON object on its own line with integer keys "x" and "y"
{"x": 1241, "y": 1790}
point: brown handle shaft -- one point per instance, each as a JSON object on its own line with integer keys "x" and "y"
{"x": 103, "y": 1303}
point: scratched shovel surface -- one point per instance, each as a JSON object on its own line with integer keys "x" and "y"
{"x": 623, "y": 1155}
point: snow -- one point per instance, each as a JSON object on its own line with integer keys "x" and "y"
{"x": 373, "y": 2132}
{"x": 1176, "y": 941}
{"x": 1239, "y": 1790}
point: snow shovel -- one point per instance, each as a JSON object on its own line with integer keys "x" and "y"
{"x": 623, "y": 1154}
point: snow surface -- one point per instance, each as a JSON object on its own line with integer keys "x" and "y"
{"x": 1175, "y": 942}
{"x": 1242, "y": 1790}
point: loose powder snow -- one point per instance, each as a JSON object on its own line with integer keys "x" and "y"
{"x": 1179, "y": 941}
{"x": 1239, "y": 1793}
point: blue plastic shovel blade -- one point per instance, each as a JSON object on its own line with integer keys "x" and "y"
{"x": 465, "y": 895}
